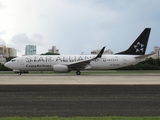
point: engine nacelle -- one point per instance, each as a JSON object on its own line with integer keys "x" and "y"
{"x": 60, "y": 68}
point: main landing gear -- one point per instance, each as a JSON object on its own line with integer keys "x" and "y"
{"x": 78, "y": 72}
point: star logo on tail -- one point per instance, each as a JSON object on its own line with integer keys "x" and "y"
{"x": 139, "y": 47}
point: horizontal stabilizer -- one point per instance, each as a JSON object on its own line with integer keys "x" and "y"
{"x": 145, "y": 56}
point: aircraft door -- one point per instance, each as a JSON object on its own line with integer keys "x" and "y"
{"x": 22, "y": 62}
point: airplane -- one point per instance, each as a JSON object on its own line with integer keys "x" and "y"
{"x": 66, "y": 63}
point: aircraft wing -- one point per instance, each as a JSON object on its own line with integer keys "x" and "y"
{"x": 145, "y": 56}
{"x": 83, "y": 64}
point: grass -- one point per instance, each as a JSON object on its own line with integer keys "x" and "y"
{"x": 81, "y": 118}
{"x": 93, "y": 72}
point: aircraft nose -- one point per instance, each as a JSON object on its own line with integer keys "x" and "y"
{"x": 6, "y": 65}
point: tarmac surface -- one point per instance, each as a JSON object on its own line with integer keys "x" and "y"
{"x": 70, "y": 95}
{"x": 86, "y": 79}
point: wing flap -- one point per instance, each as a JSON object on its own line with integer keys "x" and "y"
{"x": 79, "y": 65}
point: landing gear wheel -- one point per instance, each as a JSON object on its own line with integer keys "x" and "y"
{"x": 78, "y": 72}
{"x": 19, "y": 73}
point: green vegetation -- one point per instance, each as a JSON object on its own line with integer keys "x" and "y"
{"x": 3, "y": 68}
{"x": 49, "y": 53}
{"x": 149, "y": 64}
{"x": 9, "y": 58}
{"x": 81, "y": 118}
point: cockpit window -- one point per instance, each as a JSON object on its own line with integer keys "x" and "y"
{"x": 13, "y": 60}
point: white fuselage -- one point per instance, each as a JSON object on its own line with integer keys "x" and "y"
{"x": 46, "y": 62}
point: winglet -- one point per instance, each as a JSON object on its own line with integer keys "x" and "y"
{"x": 100, "y": 53}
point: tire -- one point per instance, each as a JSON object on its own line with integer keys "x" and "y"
{"x": 78, "y": 72}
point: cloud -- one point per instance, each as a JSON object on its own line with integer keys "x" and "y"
{"x": 1, "y": 5}
{"x": 2, "y": 32}
{"x": 2, "y": 42}
{"x": 76, "y": 26}
{"x": 43, "y": 16}
{"x": 20, "y": 40}
{"x": 81, "y": 25}
{"x": 86, "y": 25}
{"x": 37, "y": 38}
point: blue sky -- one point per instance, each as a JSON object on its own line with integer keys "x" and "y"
{"x": 76, "y": 26}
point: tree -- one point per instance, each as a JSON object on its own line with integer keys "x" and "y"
{"x": 9, "y": 58}
{"x": 149, "y": 64}
{"x": 3, "y": 68}
{"x": 49, "y": 53}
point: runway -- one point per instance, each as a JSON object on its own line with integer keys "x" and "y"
{"x": 79, "y": 100}
{"x": 65, "y": 95}
{"x": 87, "y": 79}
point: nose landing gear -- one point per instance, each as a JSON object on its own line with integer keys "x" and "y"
{"x": 20, "y": 73}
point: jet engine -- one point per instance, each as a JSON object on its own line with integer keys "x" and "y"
{"x": 61, "y": 68}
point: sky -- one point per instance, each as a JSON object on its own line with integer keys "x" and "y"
{"x": 76, "y": 26}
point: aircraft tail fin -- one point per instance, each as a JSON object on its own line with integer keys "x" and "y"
{"x": 139, "y": 45}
